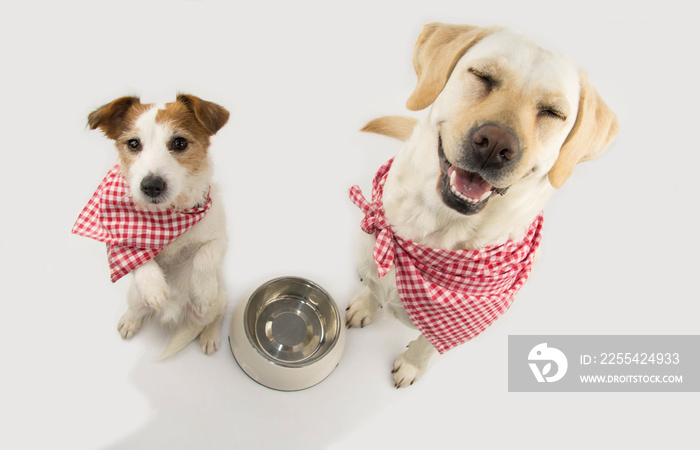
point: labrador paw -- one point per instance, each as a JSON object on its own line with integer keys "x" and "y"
{"x": 406, "y": 372}
{"x": 412, "y": 364}
{"x": 362, "y": 311}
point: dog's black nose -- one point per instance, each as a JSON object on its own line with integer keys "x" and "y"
{"x": 495, "y": 147}
{"x": 153, "y": 186}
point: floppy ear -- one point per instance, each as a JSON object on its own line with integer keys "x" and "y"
{"x": 109, "y": 117}
{"x": 595, "y": 128}
{"x": 209, "y": 114}
{"x": 398, "y": 127}
{"x": 435, "y": 54}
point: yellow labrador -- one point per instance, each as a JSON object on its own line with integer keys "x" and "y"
{"x": 507, "y": 124}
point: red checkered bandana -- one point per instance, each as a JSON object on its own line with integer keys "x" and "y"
{"x": 133, "y": 236}
{"x": 450, "y": 296}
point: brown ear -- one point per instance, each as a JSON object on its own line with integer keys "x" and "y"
{"x": 595, "y": 128}
{"x": 435, "y": 54}
{"x": 109, "y": 117}
{"x": 209, "y": 114}
{"x": 398, "y": 127}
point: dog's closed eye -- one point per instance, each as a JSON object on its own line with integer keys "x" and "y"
{"x": 551, "y": 112}
{"x": 488, "y": 80}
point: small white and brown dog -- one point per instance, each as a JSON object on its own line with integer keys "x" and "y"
{"x": 508, "y": 123}
{"x": 163, "y": 154}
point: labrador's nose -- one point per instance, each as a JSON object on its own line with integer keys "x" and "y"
{"x": 495, "y": 147}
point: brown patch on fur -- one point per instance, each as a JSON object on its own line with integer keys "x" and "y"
{"x": 196, "y": 120}
{"x": 209, "y": 114}
{"x": 115, "y": 119}
{"x": 398, "y": 127}
{"x": 189, "y": 117}
{"x": 177, "y": 117}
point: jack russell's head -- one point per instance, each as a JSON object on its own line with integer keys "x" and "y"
{"x": 162, "y": 148}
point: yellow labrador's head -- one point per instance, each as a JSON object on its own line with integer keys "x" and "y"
{"x": 504, "y": 110}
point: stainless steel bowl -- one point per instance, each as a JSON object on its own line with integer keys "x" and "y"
{"x": 288, "y": 335}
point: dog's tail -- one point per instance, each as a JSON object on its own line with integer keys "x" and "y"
{"x": 186, "y": 333}
{"x": 398, "y": 127}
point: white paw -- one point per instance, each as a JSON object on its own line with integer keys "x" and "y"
{"x": 362, "y": 311}
{"x": 210, "y": 344}
{"x": 154, "y": 295}
{"x": 151, "y": 285}
{"x": 407, "y": 371}
{"x": 210, "y": 340}
{"x": 129, "y": 325}
{"x": 412, "y": 364}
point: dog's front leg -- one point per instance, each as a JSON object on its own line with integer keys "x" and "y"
{"x": 147, "y": 293}
{"x": 151, "y": 285}
{"x": 363, "y": 309}
{"x": 204, "y": 280}
{"x": 412, "y": 364}
{"x": 207, "y": 294}
{"x": 365, "y": 306}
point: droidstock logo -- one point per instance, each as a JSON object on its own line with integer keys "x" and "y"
{"x": 541, "y": 353}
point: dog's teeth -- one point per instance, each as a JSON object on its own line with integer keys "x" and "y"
{"x": 462, "y": 196}
{"x": 456, "y": 192}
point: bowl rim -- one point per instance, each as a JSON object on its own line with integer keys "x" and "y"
{"x": 250, "y": 336}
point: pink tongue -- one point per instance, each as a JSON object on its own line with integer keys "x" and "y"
{"x": 468, "y": 183}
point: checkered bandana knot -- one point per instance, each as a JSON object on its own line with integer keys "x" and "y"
{"x": 450, "y": 296}
{"x": 133, "y": 236}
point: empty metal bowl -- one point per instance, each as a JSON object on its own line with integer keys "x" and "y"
{"x": 288, "y": 335}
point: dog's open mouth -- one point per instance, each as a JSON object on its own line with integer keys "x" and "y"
{"x": 468, "y": 186}
{"x": 464, "y": 191}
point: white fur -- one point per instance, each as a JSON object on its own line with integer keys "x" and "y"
{"x": 181, "y": 287}
{"x": 414, "y": 207}
{"x": 184, "y": 189}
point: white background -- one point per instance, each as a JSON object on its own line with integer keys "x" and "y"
{"x": 300, "y": 78}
